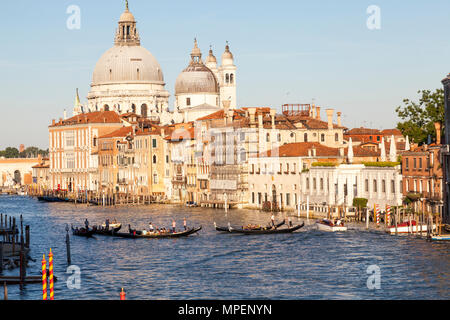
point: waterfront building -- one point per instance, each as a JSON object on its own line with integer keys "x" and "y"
{"x": 446, "y": 152}
{"x": 41, "y": 175}
{"x": 423, "y": 175}
{"x": 17, "y": 172}
{"x": 73, "y": 149}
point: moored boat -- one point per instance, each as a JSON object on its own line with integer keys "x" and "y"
{"x": 52, "y": 199}
{"x": 409, "y": 227}
{"x": 134, "y": 234}
{"x": 329, "y": 226}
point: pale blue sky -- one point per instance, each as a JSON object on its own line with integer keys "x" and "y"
{"x": 286, "y": 52}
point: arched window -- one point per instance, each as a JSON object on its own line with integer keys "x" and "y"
{"x": 138, "y": 74}
{"x": 305, "y": 137}
{"x": 279, "y": 137}
{"x": 231, "y": 78}
{"x": 336, "y": 137}
{"x": 105, "y": 107}
{"x": 227, "y": 78}
{"x": 110, "y": 74}
{"x": 154, "y": 159}
{"x": 133, "y": 108}
{"x": 144, "y": 110}
{"x": 322, "y": 137}
{"x": 268, "y": 137}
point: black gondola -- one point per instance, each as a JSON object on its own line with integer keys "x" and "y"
{"x": 267, "y": 231}
{"x": 82, "y": 232}
{"x": 52, "y": 199}
{"x": 139, "y": 234}
{"x": 226, "y": 229}
{"x": 104, "y": 232}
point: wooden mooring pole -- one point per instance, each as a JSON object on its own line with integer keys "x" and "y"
{"x": 1, "y": 257}
{"x": 5, "y": 291}
{"x": 69, "y": 261}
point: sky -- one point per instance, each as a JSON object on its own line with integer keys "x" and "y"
{"x": 286, "y": 51}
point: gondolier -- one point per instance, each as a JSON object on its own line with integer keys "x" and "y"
{"x": 107, "y": 224}
{"x": 86, "y": 223}
{"x": 185, "y": 224}
{"x": 174, "y": 225}
{"x": 273, "y": 220}
{"x": 150, "y": 227}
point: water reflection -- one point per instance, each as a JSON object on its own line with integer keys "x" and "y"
{"x": 305, "y": 265}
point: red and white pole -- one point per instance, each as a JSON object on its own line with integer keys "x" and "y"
{"x": 377, "y": 209}
{"x": 388, "y": 215}
{"x": 123, "y": 295}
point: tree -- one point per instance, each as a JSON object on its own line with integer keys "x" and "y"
{"x": 419, "y": 117}
{"x": 11, "y": 153}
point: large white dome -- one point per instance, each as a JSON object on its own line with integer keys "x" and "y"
{"x": 125, "y": 64}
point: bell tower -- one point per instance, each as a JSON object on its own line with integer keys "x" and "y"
{"x": 227, "y": 72}
{"x": 127, "y": 34}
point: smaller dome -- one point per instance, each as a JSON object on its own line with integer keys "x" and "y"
{"x": 211, "y": 58}
{"x": 127, "y": 16}
{"x": 197, "y": 78}
{"x": 227, "y": 57}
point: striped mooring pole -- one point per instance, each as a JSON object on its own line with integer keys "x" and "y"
{"x": 44, "y": 279}
{"x": 388, "y": 215}
{"x": 123, "y": 295}
{"x": 50, "y": 278}
{"x": 377, "y": 210}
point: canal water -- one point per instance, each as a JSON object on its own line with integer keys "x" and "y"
{"x": 305, "y": 265}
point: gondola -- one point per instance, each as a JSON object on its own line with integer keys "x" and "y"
{"x": 267, "y": 231}
{"x": 52, "y": 199}
{"x": 83, "y": 233}
{"x": 111, "y": 232}
{"x": 140, "y": 234}
{"x": 227, "y": 229}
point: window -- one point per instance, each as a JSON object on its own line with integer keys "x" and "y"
{"x": 253, "y": 197}
{"x": 288, "y": 199}
{"x": 378, "y": 138}
{"x": 154, "y": 143}
{"x": 279, "y": 137}
{"x": 367, "y": 185}
{"x": 268, "y": 137}
{"x": 305, "y": 137}
{"x": 392, "y": 186}
{"x": 322, "y": 137}
{"x": 167, "y": 159}
{"x": 259, "y": 198}
{"x": 336, "y": 137}
{"x": 321, "y": 183}
{"x": 307, "y": 183}
{"x": 420, "y": 163}
{"x": 415, "y": 163}
{"x": 231, "y": 78}
{"x": 375, "y": 187}
{"x": 314, "y": 184}
{"x": 188, "y": 101}
{"x": 383, "y": 186}
{"x": 155, "y": 178}
{"x": 406, "y": 164}
{"x": 154, "y": 159}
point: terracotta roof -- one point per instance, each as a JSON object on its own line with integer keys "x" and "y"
{"x": 363, "y": 131}
{"x": 300, "y": 149}
{"x": 41, "y": 166}
{"x": 237, "y": 114}
{"x": 181, "y": 134}
{"x": 120, "y": 133}
{"x": 91, "y": 117}
{"x": 390, "y": 132}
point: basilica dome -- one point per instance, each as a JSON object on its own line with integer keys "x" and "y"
{"x": 122, "y": 64}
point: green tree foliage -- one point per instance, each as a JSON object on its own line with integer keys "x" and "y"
{"x": 360, "y": 202}
{"x": 419, "y": 117}
{"x": 30, "y": 152}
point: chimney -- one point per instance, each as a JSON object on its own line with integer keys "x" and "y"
{"x": 339, "y": 119}
{"x": 437, "y": 126}
{"x": 65, "y": 114}
{"x": 53, "y": 122}
{"x": 330, "y": 118}
{"x": 272, "y": 115}
{"x": 60, "y": 120}
{"x": 252, "y": 112}
{"x": 230, "y": 116}
{"x": 313, "y": 112}
{"x": 260, "y": 121}
{"x": 318, "y": 113}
